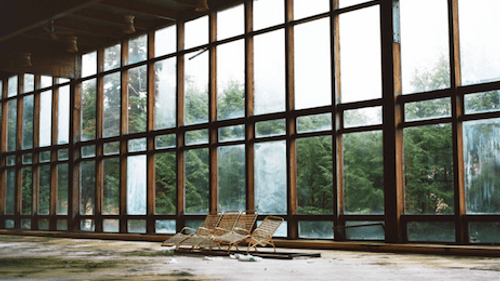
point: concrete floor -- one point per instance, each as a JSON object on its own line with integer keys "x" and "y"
{"x": 38, "y": 258}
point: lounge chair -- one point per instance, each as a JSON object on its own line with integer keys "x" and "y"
{"x": 263, "y": 235}
{"x": 204, "y": 239}
{"x": 241, "y": 231}
{"x": 211, "y": 221}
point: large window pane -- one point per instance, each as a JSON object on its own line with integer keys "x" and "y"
{"x": 28, "y": 83}
{"x": 270, "y": 177}
{"x": 196, "y": 181}
{"x": 10, "y": 189}
{"x": 62, "y": 189}
{"x": 314, "y": 175}
{"x": 196, "y": 32}
{"x": 268, "y": 13}
{"x": 231, "y": 80}
{"x": 87, "y": 188}
{"x": 269, "y": 84}
{"x": 165, "y": 183}
{"x": 88, "y": 110}
{"x": 63, "y": 116}
{"x": 360, "y": 53}
{"x": 137, "y": 99}
{"x": 11, "y": 125}
{"x": 482, "y": 166}
{"x": 89, "y": 64}
{"x": 479, "y": 54}
{"x": 112, "y": 57}
{"x": 45, "y": 131}
{"x": 165, "y": 40}
{"x": 12, "y": 86}
{"x": 306, "y": 8}
{"x": 196, "y": 88}
{"x": 44, "y": 190}
{"x": 428, "y": 167}
{"x": 231, "y": 180}
{"x": 230, "y": 22}
{"x": 363, "y": 173}
{"x": 312, "y": 64}
{"x": 26, "y": 191}
{"x": 28, "y": 122}
{"x": 111, "y": 105}
{"x": 165, "y": 93}
{"x": 424, "y": 45}
{"x": 136, "y": 185}
{"x": 110, "y": 186}
{"x": 137, "y": 49}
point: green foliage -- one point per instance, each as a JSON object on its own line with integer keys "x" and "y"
{"x": 165, "y": 183}
{"x": 436, "y": 78}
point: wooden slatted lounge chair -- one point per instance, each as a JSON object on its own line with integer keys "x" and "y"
{"x": 263, "y": 235}
{"x": 208, "y": 226}
{"x": 204, "y": 239}
{"x": 241, "y": 231}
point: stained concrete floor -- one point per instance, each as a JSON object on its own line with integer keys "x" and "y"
{"x": 37, "y": 258}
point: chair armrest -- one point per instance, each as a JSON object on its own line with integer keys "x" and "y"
{"x": 241, "y": 231}
{"x": 186, "y": 229}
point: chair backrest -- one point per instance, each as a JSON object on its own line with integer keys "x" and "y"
{"x": 269, "y": 224}
{"x": 247, "y": 220}
{"x": 228, "y": 220}
{"x": 212, "y": 220}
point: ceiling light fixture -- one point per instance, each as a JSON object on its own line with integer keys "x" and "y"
{"x": 72, "y": 47}
{"x": 129, "y": 28}
{"x": 201, "y": 6}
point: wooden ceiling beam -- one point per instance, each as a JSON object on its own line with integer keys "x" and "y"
{"x": 87, "y": 28}
{"x": 136, "y": 7}
{"x": 107, "y": 21}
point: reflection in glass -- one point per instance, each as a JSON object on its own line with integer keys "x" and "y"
{"x": 12, "y": 86}
{"x": 63, "y": 116}
{"x": 112, "y": 148}
{"x": 136, "y": 185}
{"x": 484, "y": 232}
{"x": 29, "y": 83}
{"x": 373, "y": 232}
{"x": 360, "y": 55}
{"x": 110, "y": 186}
{"x": 165, "y": 141}
{"x": 316, "y": 229}
{"x": 197, "y": 137}
{"x": 137, "y": 49}
{"x": 428, "y": 109}
{"x": 87, "y": 188}
{"x": 314, "y": 175}
{"x": 196, "y": 32}
{"x": 88, "y": 110}
{"x": 165, "y": 40}
{"x": 268, "y": 13}
{"x": 88, "y": 151}
{"x": 25, "y": 223}
{"x": 363, "y": 117}
{"x": 10, "y": 189}
{"x": 232, "y": 133}
{"x": 26, "y": 191}
{"x": 196, "y": 181}
{"x": 230, "y": 22}
{"x": 165, "y": 93}
{"x": 270, "y": 128}
{"x": 89, "y": 64}
{"x": 11, "y": 125}
{"x": 137, "y": 145}
{"x": 428, "y": 168}
{"x": 363, "y": 173}
{"x": 44, "y": 190}
{"x": 28, "y": 122}
{"x": 10, "y": 160}
{"x": 312, "y": 64}
{"x": 111, "y": 105}
{"x": 479, "y": 56}
{"x": 314, "y": 123}
{"x": 482, "y": 166}
{"x": 270, "y": 177}
{"x": 137, "y": 99}
{"x": 196, "y": 88}
{"x": 269, "y": 84}
{"x": 165, "y": 226}
{"x": 231, "y": 80}
{"x": 112, "y": 57}
{"x": 231, "y": 180}
{"x": 62, "y": 189}
{"x": 110, "y": 225}
{"x": 165, "y": 183}
{"x": 306, "y": 8}
{"x": 44, "y": 156}
{"x": 87, "y": 225}
{"x": 136, "y": 226}
{"x": 27, "y": 158}
{"x": 9, "y": 224}
{"x": 45, "y": 131}
{"x": 482, "y": 102}
{"x": 424, "y": 66}
{"x": 431, "y": 231}
{"x": 63, "y": 154}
